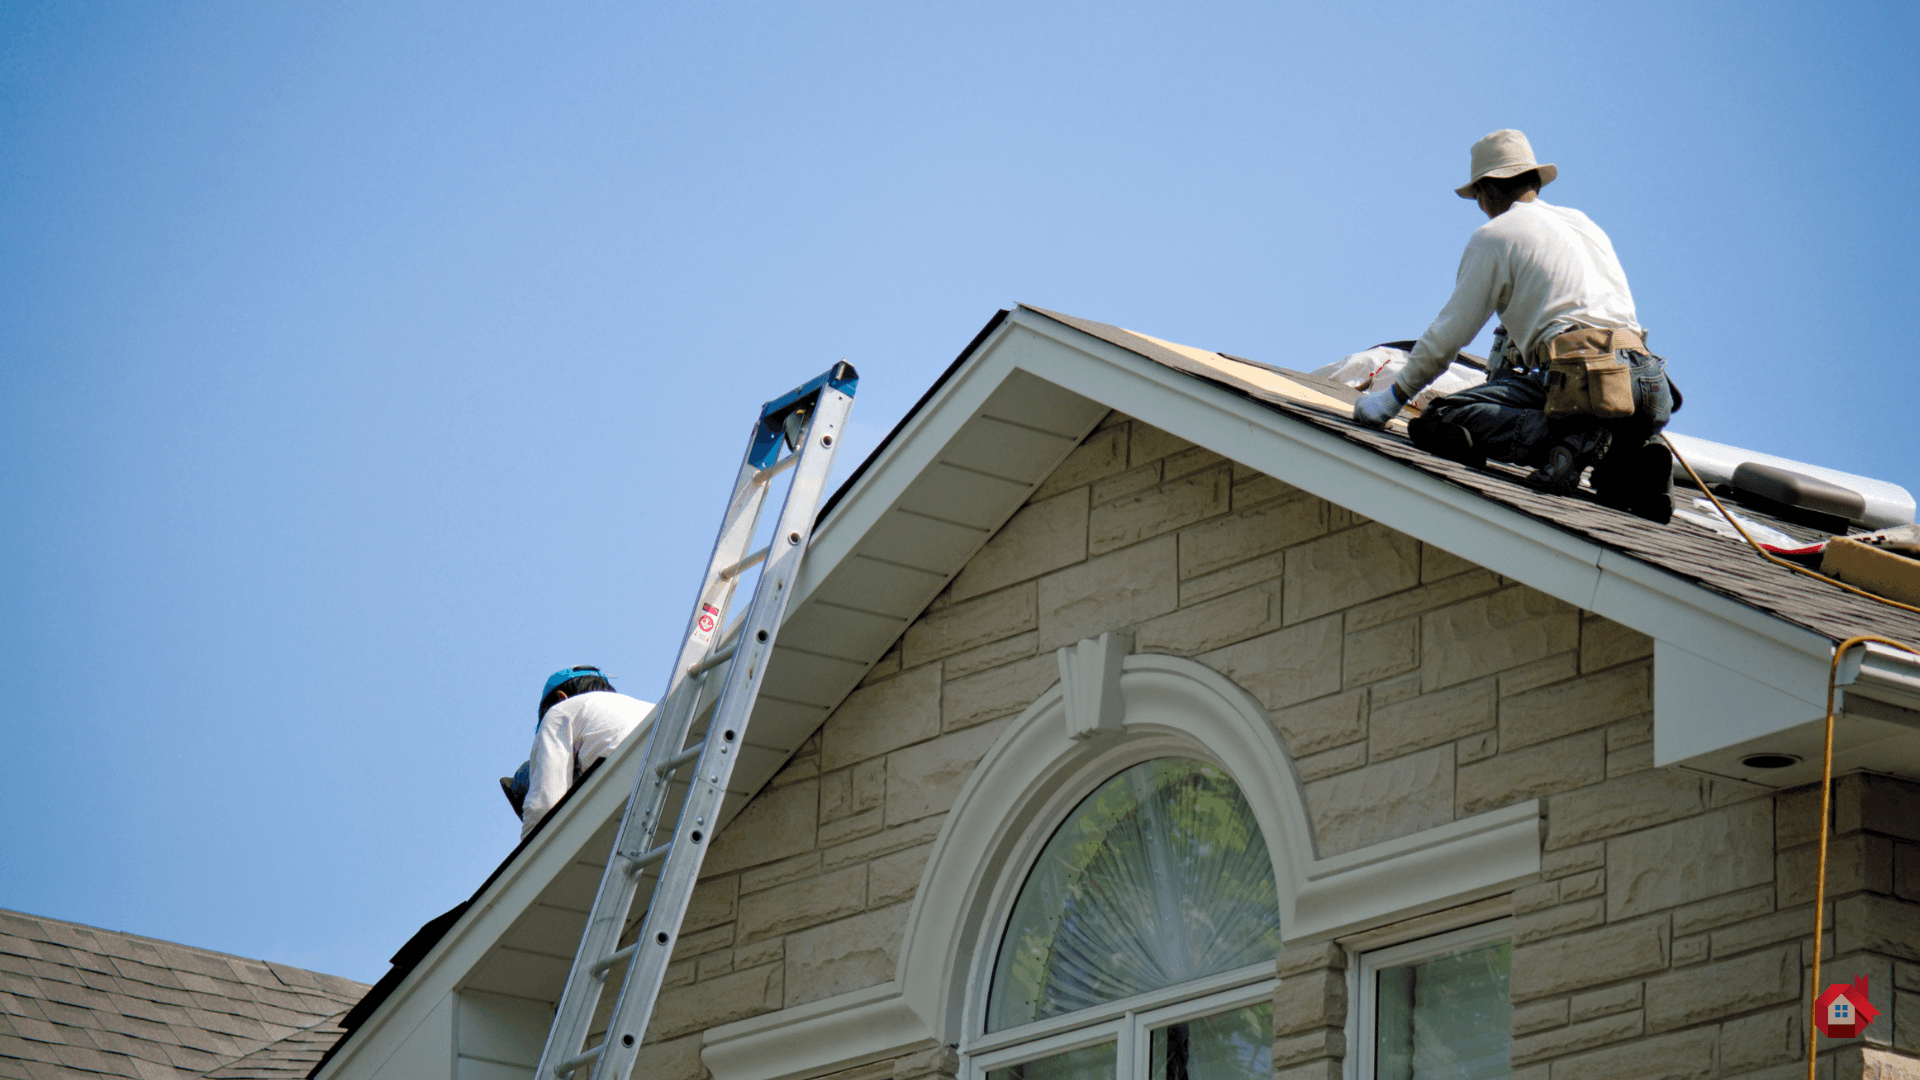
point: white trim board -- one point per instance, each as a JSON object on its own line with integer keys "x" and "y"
{"x": 818, "y": 1037}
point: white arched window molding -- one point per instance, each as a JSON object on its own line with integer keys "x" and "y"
{"x": 1110, "y": 711}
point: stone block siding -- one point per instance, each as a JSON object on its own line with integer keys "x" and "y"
{"x": 1410, "y": 686}
{"x": 1671, "y": 931}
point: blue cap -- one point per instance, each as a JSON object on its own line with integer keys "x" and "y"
{"x": 564, "y": 675}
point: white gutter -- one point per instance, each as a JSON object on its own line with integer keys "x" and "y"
{"x": 1881, "y": 673}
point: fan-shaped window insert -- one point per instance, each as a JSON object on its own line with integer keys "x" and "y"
{"x": 1159, "y": 877}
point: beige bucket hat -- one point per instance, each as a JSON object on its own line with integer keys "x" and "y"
{"x": 1502, "y": 154}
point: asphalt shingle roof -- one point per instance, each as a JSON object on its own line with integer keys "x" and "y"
{"x": 79, "y": 1001}
{"x": 1720, "y": 564}
{"x": 293, "y": 1056}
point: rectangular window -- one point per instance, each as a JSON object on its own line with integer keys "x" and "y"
{"x": 1236, "y": 1045}
{"x": 1087, "y": 1063}
{"x": 1193, "y": 1031}
{"x": 1439, "y": 1007}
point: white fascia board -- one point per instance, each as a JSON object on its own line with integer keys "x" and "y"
{"x": 1702, "y": 707}
{"x": 1587, "y": 575}
{"x": 817, "y": 1038}
{"x": 1788, "y": 658}
{"x": 479, "y": 928}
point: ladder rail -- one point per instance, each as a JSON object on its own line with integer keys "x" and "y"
{"x": 660, "y": 926}
{"x": 827, "y": 400}
{"x": 573, "y": 1017}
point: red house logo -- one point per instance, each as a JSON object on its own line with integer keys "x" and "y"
{"x": 1843, "y": 1011}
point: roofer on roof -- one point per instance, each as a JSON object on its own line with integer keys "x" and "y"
{"x": 581, "y": 721}
{"x": 1571, "y": 382}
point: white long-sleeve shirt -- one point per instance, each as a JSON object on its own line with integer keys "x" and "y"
{"x": 1540, "y": 266}
{"x": 577, "y": 732}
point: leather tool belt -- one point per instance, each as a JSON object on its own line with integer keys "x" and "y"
{"x": 1585, "y": 375}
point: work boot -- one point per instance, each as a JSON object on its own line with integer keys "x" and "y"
{"x": 1637, "y": 480}
{"x": 1443, "y": 439}
{"x": 1566, "y": 459}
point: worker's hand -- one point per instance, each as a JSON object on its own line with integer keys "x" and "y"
{"x": 1375, "y": 409}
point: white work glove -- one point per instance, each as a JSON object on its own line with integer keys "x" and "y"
{"x": 1375, "y": 409}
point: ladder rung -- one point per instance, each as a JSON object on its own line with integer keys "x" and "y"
{"x": 573, "y": 1063}
{"x": 713, "y": 661}
{"x": 681, "y": 758}
{"x": 776, "y": 468}
{"x": 642, "y": 862}
{"x": 600, "y": 968}
{"x": 744, "y": 565}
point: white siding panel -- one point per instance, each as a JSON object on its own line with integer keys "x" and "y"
{"x": 498, "y": 1036}
{"x": 830, "y": 629}
{"x": 1025, "y": 398}
{"x": 917, "y": 540}
{"x": 427, "y": 1051}
{"x": 512, "y": 972}
{"x": 545, "y": 929}
{"x": 471, "y": 1069}
{"x": 779, "y": 724}
{"x": 880, "y": 587}
{"x": 815, "y": 680}
{"x": 963, "y": 496}
{"x": 1007, "y": 450}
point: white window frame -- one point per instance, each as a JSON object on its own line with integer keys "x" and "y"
{"x": 1127, "y": 1023}
{"x": 1364, "y": 987}
{"x": 1127, "y": 1020}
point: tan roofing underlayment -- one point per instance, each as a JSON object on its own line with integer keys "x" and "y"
{"x": 79, "y": 1001}
{"x": 1692, "y": 554}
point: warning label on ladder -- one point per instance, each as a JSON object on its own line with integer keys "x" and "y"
{"x": 704, "y": 626}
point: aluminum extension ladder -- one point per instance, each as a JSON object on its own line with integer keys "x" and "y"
{"x": 809, "y": 420}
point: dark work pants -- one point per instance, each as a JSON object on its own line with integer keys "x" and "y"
{"x": 1506, "y": 414}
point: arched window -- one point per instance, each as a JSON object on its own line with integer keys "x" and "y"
{"x": 1141, "y": 945}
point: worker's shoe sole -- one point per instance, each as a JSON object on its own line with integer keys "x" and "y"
{"x": 1567, "y": 460}
{"x": 1638, "y": 481}
{"x": 1442, "y": 439}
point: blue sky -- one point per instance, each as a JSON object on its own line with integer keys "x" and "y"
{"x": 362, "y": 364}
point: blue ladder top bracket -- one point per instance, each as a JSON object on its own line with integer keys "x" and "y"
{"x": 766, "y": 440}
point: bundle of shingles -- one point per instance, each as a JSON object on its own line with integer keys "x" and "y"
{"x": 1885, "y": 563}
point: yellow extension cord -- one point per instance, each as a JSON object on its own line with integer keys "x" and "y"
{"x": 1826, "y": 758}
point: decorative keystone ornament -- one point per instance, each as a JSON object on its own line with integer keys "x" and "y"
{"x": 1843, "y": 1011}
